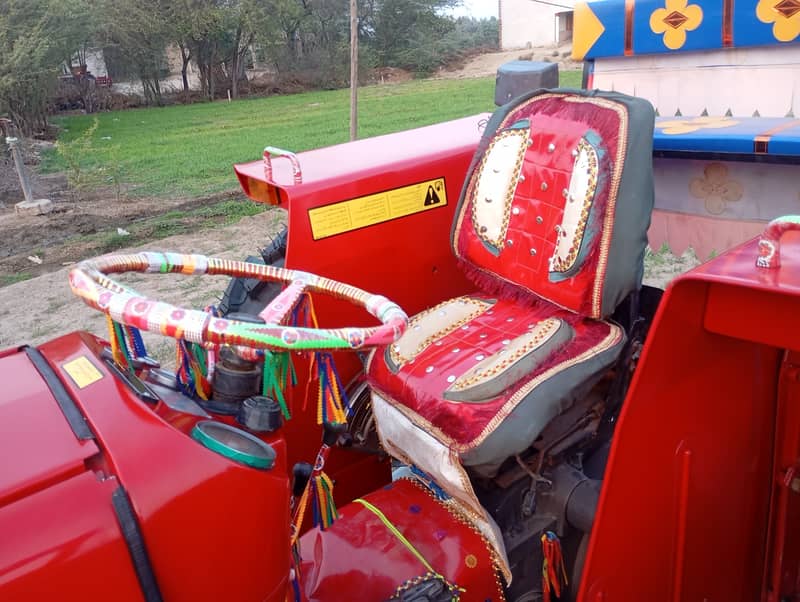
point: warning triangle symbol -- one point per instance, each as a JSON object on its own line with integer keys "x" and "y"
{"x": 431, "y": 198}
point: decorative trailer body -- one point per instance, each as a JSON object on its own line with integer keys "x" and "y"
{"x": 543, "y": 427}
{"x": 724, "y": 78}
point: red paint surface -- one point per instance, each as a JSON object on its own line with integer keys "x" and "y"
{"x": 359, "y": 558}
{"x": 210, "y": 525}
{"x": 782, "y": 570}
{"x": 686, "y": 507}
{"x": 63, "y": 543}
{"x": 31, "y": 420}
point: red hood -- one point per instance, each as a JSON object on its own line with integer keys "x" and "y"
{"x": 37, "y": 443}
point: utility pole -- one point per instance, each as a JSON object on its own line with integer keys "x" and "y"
{"x": 353, "y": 69}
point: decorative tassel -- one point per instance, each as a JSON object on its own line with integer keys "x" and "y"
{"x": 322, "y": 505}
{"x": 136, "y": 341}
{"x": 119, "y": 347}
{"x": 554, "y": 574}
{"x": 278, "y": 373}
{"x": 116, "y": 353}
{"x": 303, "y": 314}
{"x": 191, "y": 370}
{"x": 320, "y": 491}
{"x": 299, "y": 514}
{"x": 332, "y": 404}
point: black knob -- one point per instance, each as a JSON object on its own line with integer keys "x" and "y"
{"x": 301, "y": 473}
{"x": 332, "y": 431}
{"x": 260, "y": 414}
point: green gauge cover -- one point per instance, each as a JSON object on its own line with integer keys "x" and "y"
{"x": 234, "y": 444}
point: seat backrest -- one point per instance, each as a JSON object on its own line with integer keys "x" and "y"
{"x": 558, "y": 198}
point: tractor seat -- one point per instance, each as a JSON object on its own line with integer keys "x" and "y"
{"x": 484, "y": 375}
{"x": 551, "y": 227}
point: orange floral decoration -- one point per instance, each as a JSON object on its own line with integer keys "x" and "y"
{"x": 716, "y": 188}
{"x": 783, "y": 14}
{"x": 675, "y": 20}
{"x": 692, "y": 124}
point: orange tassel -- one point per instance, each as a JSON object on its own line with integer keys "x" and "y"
{"x": 554, "y": 574}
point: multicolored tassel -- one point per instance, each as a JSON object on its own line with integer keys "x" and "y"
{"x": 136, "y": 341}
{"x": 126, "y": 343}
{"x": 191, "y": 373}
{"x": 554, "y": 574}
{"x": 319, "y": 490}
{"x": 299, "y": 515}
{"x": 119, "y": 347}
{"x": 323, "y": 507}
{"x": 278, "y": 373}
{"x": 333, "y": 406}
{"x": 303, "y": 314}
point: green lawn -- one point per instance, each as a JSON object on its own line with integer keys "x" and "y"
{"x": 188, "y": 150}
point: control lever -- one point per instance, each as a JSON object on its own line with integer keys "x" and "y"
{"x": 301, "y": 473}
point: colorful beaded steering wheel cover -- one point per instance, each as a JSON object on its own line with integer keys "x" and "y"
{"x": 90, "y": 281}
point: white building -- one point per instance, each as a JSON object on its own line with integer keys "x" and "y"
{"x": 529, "y": 23}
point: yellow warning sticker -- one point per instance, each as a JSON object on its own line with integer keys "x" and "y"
{"x": 372, "y": 209}
{"x": 82, "y": 371}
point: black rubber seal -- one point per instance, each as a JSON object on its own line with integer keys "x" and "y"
{"x": 69, "y": 408}
{"x": 134, "y": 539}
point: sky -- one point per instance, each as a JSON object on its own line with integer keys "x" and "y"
{"x": 480, "y": 9}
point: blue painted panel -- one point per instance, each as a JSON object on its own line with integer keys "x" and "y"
{"x": 747, "y": 29}
{"x": 611, "y": 14}
{"x": 738, "y": 138}
{"x": 707, "y": 35}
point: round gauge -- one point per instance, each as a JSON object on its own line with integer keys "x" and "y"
{"x": 234, "y": 444}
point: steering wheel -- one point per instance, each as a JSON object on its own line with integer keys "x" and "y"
{"x": 90, "y": 281}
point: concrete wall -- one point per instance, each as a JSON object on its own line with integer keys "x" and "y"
{"x": 527, "y": 23}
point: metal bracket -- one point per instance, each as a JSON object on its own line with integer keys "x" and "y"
{"x": 271, "y": 151}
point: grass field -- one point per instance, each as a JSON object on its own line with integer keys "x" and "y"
{"x": 188, "y": 150}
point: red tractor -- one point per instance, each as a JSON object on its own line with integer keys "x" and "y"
{"x": 542, "y": 428}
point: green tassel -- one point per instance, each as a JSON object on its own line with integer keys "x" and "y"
{"x": 276, "y": 366}
{"x": 123, "y": 346}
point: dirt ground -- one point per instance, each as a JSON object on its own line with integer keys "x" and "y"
{"x": 487, "y": 64}
{"x": 32, "y": 245}
{"x": 40, "y": 305}
{"x": 42, "y": 308}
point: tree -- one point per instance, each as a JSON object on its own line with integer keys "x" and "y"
{"x": 35, "y": 37}
{"x": 403, "y": 33}
{"x": 140, "y": 30}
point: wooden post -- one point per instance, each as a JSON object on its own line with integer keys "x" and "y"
{"x": 353, "y": 69}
